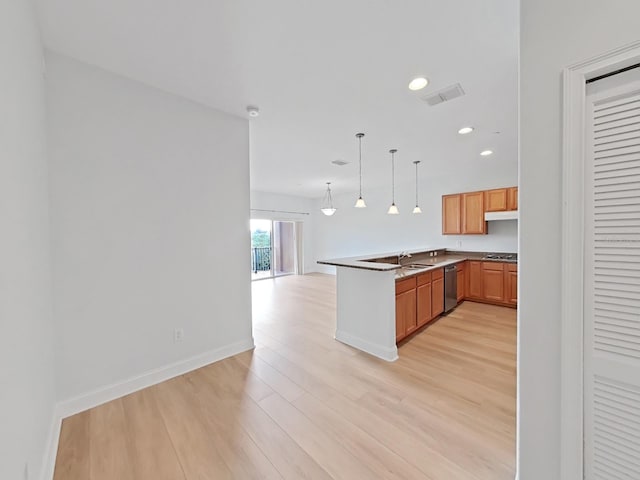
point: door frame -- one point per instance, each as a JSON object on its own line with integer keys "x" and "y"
{"x": 572, "y": 280}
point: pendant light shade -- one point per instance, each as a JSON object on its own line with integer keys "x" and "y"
{"x": 393, "y": 210}
{"x": 417, "y": 209}
{"x": 327, "y": 202}
{"x": 360, "y": 202}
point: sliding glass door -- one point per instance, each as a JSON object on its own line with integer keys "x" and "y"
{"x": 273, "y": 248}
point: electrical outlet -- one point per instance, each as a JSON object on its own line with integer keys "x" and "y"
{"x": 459, "y": 244}
{"x": 178, "y": 335}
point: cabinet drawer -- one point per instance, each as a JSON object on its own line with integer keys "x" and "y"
{"x": 460, "y": 266}
{"x": 512, "y": 267}
{"x": 493, "y": 266}
{"x": 405, "y": 285}
{"x": 436, "y": 274}
{"x": 424, "y": 278}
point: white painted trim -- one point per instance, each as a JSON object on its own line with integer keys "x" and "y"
{"x": 572, "y": 341}
{"x": 51, "y": 448}
{"x": 111, "y": 392}
{"x": 105, "y": 394}
{"x": 380, "y": 351}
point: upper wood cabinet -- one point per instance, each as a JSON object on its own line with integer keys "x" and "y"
{"x": 473, "y": 213}
{"x": 451, "y": 214}
{"x": 496, "y": 200}
{"x": 512, "y": 198}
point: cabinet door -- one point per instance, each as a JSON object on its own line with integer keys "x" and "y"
{"x": 493, "y": 281}
{"x": 424, "y": 304}
{"x": 496, "y": 200}
{"x": 511, "y": 284}
{"x": 405, "y": 313}
{"x": 474, "y": 285}
{"x": 460, "y": 284}
{"x": 512, "y": 198}
{"x": 473, "y": 213}
{"x": 437, "y": 297}
{"x": 451, "y": 214}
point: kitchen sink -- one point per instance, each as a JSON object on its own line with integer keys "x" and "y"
{"x": 417, "y": 266}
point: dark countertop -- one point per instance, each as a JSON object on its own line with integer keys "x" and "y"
{"x": 443, "y": 258}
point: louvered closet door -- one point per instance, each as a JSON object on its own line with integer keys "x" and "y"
{"x": 612, "y": 279}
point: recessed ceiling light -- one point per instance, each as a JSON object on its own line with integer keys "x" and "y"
{"x": 486, "y": 153}
{"x": 418, "y": 83}
{"x": 465, "y": 130}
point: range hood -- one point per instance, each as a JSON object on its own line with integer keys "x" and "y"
{"x": 510, "y": 215}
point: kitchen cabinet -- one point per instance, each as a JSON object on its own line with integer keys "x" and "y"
{"x": 451, "y": 214}
{"x": 406, "y": 320}
{"x": 474, "y": 282}
{"x": 473, "y": 213}
{"x": 423, "y": 299}
{"x": 463, "y": 214}
{"x": 512, "y": 198}
{"x": 419, "y": 300}
{"x": 496, "y": 200}
{"x": 461, "y": 284}
{"x": 493, "y": 281}
{"x": 437, "y": 293}
{"x": 511, "y": 284}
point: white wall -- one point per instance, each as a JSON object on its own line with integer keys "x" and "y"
{"x": 27, "y": 393}
{"x": 288, "y": 203}
{"x": 150, "y": 206}
{"x": 553, "y": 35}
{"x": 353, "y": 231}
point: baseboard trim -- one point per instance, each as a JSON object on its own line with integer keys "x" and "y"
{"x": 51, "y": 447}
{"x": 102, "y": 395}
{"x": 380, "y": 351}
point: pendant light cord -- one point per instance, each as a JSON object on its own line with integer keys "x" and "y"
{"x": 416, "y": 182}
{"x": 360, "y": 162}
{"x": 393, "y": 176}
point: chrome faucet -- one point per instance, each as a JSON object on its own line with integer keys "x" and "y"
{"x": 402, "y": 255}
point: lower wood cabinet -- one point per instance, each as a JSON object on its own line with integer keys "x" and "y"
{"x": 461, "y": 271}
{"x": 423, "y": 300}
{"x": 419, "y": 300}
{"x": 493, "y": 281}
{"x": 405, "y": 313}
{"x": 511, "y": 284}
{"x": 437, "y": 293}
{"x": 474, "y": 282}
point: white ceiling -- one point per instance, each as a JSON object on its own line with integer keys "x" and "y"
{"x": 320, "y": 71}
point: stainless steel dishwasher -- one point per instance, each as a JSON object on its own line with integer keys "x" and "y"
{"x": 450, "y": 287}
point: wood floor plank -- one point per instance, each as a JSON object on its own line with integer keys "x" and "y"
{"x": 304, "y": 406}
{"x": 149, "y": 442}
{"x": 110, "y": 446}
{"x": 73, "y": 448}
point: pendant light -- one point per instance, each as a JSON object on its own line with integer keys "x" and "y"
{"x": 327, "y": 202}
{"x": 360, "y": 202}
{"x": 393, "y": 210}
{"x": 417, "y": 209}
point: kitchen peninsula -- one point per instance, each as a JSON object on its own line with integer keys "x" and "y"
{"x": 382, "y": 299}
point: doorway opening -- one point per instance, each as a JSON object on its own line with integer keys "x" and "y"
{"x": 273, "y": 248}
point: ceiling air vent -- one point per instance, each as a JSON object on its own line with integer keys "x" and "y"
{"x": 444, "y": 95}
{"x": 339, "y": 162}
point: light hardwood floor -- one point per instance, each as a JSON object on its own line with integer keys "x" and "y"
{"x": 303, "y": 405}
